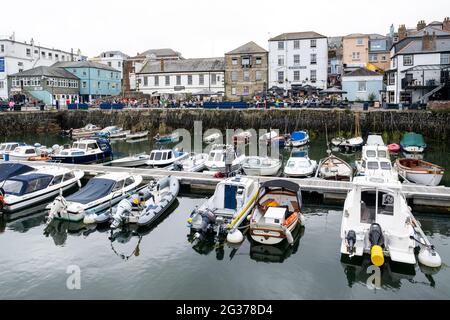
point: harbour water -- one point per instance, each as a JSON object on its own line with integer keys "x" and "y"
{"x": 162, "y": 263}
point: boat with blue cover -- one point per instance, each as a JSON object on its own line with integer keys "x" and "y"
{"x": 413, "y": 143}
{"x": 299, "y": 138}
{"x": 85, "y": 151}
{"x": 9, "y": 170}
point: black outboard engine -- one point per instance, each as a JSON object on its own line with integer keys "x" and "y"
{"x": 351, "y": 241}
{"x": 177, "y": 166}
{"x": 376, "y": 237}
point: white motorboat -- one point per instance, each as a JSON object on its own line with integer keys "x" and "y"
{"x": 96, "y": 197}
{"x": 24, "y": 153}
{"x": 218, "y": 155}
{"x": 86, "y": 131}
{"x": 261, "y": 166}
{"x": 348, "y": 145}
{"x": 372, "y": 152}
{"x": 334, "y": 168}
{"x": 378, "y": 221}
{"x": 212, "y": 138}
{"x": 299, "y": 165}
{"x": 8, "y": 147}
{"x": 298, "y": 139}
{"x": 164, "y": 158}
{"x": 277, "y": 212}
{"x": 38, "y": 186}
{"x": 12, "y": 169}
{"x": 226, "y": 210}
{"x": 132, "y": 161}
{"x": 378, "y": 167}
{"x": 148, "y": 205}
{"x": 112, "y": 132}
{"x": 137, "y": 135}
{"x": 420, "y": 172}
{"x": 195, "y": 162}
{"x": 85, "y": 151}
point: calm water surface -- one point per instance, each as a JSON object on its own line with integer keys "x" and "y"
{"x": 161, "y": 263}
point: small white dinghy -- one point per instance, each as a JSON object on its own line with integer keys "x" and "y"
{"x": 131, "y": 162}
{"x": 145, "y": 207}
{"x": 226, "y": 210}
{"x": 261, "y": 166}
{"x": 98, "y": 195}
{"x": 420, "y": 172}
{"x": 334, "y": 168}
{"x": 378, "y": 221}
{"x": 212, "y": 138}
{"x": 196, "y": 162}
{"x": 137, "y": 135}
{"x": 299, "y": 165}
{"x": 277, "y": 212}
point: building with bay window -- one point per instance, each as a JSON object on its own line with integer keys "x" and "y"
{"x": 297, "y": 60}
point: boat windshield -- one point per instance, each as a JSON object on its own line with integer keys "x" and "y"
{"x": 382, "y": 154}
{"x": 371, "y": 154}
{"x": 385, "y": 165}
{"x": 2, "y": 147}
{"x": 372, "y": 165}
{"x": 158, "y": 156}
{"x": 81, "y": 146}
{"x": 22, "y": 185}
{"x": 376, "y": 203}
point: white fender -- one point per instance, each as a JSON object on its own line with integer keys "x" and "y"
{"x": 235, "y": 236}
{"x": 301, "y": 219}
{"x": 429, "y": 258}
{"x": 289, "y": 236}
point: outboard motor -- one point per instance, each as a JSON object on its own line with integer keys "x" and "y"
{"x": 376, "y": 239}
{"x": 177, "y": 166}
{"x": 351, "y": 241}
{"x": 208, "y": 220}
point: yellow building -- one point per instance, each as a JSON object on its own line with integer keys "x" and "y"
{"x": 355, "y": 51}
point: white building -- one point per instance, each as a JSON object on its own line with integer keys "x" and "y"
{"x": 113, "y": 59}
{"x": 420, "y": 66}
{"x": 17, "y": 56}
{"x": 187, "y": 76}
{"x": 298, "y": 59}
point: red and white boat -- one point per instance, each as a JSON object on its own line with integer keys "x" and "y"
{"x": 394, "y": 148}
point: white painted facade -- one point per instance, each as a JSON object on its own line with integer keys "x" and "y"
{"x": 165, "y": 83}
{"x": 394, "y": 80}
{"x": 20, "y": 56}
{"x": 113, "y": 59}
{"x": 295, "y": 62}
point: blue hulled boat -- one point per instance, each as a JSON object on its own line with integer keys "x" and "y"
{"x": 85, "y": 151}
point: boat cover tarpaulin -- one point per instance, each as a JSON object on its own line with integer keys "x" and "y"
{"x": 31, "y": 183}
{"x": 282, "y": 184}
{"x": 298, "y": 136}
{"x": 413, "y": 140}
{"x": 95, "y": 189}
{"x": 8, "y": 170}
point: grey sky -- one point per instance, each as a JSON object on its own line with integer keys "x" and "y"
{"x": 201, "y": 28}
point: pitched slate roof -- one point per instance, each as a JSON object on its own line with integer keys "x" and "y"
{"x": 362, "y": 72}
{"x": 415, "y": 46}
{"x": 249, "y": 47}
{"x": 46, "y": 72}
{"x": 185, "y": 65}
{"x": 298, "y": 36}
{"x": 83, "y": 64}
{"x": 114, "y": 52}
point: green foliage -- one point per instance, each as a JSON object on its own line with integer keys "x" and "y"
{"x": 372, "y": 97}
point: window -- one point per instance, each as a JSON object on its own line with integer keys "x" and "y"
{"x": 360, "y": 41}
{"x": 246, "y": 62}
{"x": 98, "y": 84}
{"x": 156, "y": 80}
{"x": 280, "y": 45}
{"x": 145, "y": 81}
{"x": 246, "y": 91}
{"x": 408, "y": 60}
{"x": 280, "y": 60}
{"x": 2, "y": 48}
{"x": 234, "y": 61}
{"x": 118, "y": 186}
{"x": 362, "y": 86}
{"x": 190, "y": 80}
{"x": 56, "y": 56}
{"x": 258, "y": 60}
{"x": 391, "y": 78}
{"x": 233, "y": 91}
{"x": 445, "y": 58}
{"x": 383, "y": 58}
{"x": 373, "y": 58}
{"x": 178, "y": 80}
{"x": 355, "y": 55}
{"x": 296, "y": 44}
{"x": 246, "y": 75}
{"x": 2, "y": 85}
{"x": 313, "y": 58}
{"x": 98, "y": 73}
{"x": 258, "y": 76}
{"x": 43, "y": 54}
{"x": 201, "y": 79}
{"x": 129, "y": 181}
{"x": 213, "y": 79}
{"x": 50, "y": 55}
{"x": 280, "y": 76}
{"x": 119, "y": 64}
{"x": 296, "y": 75}
{"x": 234, "y": 76}
{"x": 20, "y": 64}
{"x": 296, "y": 59}
{"x": 167, "y": 80}
{"x": 313, "y": 75}
{"x": 109, "y": 64}
{"x": 313, "y": 43}
{"x": 28, "y": 52}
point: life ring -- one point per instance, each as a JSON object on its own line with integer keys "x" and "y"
{"x": 291, "y": 219}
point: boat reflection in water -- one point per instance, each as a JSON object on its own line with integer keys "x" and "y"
{"x": 60, "y": 229}
{"x": 276, "y": 253}
{"x": 24, "y": 220}
{"x": 358, "y": 271}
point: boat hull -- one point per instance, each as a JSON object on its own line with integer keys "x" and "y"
{"x": 270, "y": 235}
{"x": 270, "y": 171}
{"x": 91, "y": 158}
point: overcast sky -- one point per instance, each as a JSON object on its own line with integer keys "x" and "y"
{"x": 200, "y": 28}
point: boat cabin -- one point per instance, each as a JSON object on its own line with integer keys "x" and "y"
{"x": 28, "y": 183}
{"x": 372, "y": 152}
{"x": 217, "y": 154}
{"x": 162, "y": 155}
{"x": 82, "y": 147}
{"x": 231, "y": 195}
{"x": 25, "y": 150}
{"x": 8, "y": 147}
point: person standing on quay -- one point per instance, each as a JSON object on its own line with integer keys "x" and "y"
{"x": 11, "y": 105}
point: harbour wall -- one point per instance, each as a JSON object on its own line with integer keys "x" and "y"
{"x": 433, "y": 124}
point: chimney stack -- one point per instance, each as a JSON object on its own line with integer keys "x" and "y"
{"x": 421, "y": 25}
{"x": 429, "y": 41}
{"x": 162, "y": 65}
{"x": 446, "y": 24}
{"x": 401, "y": 32}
